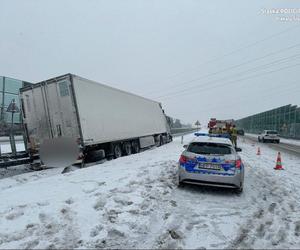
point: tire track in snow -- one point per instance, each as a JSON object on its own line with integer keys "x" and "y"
{"x": 131, "y": 215}
{"x": 47, "y": 232}
{"x": 197, "y": 220}
{"x": 275, "y": 209}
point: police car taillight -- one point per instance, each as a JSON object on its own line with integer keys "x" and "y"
{"x": 238, "y": 164}
{"x": 183, "y": 159}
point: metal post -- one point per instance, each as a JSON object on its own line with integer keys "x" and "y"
{"x": 182, "y": 139}
{"x": 2, "y": 102}
{"x": 12, "y": 138}
{"x": 13, "y": 109}
{"x": 289, "y": 126}
{"x": 295, "y": 122}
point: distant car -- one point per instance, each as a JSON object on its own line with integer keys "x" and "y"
{"x": 269, "y": 136}
{"x": 240, "y": 132}
{"x": 211, "y": 161}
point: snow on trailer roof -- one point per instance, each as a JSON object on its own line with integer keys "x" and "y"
{"x": 212, "y": 138}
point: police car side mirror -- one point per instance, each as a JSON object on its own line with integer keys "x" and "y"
{"x": 185, "y": 146}
{"x": 238, "y": 149}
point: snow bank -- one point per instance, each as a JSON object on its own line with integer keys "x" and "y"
{"x": 112, "y": 201}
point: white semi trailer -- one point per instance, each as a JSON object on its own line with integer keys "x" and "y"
{"x": 101, "y": 119}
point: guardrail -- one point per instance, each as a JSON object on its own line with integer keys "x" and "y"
{"x": 182, "y": 131}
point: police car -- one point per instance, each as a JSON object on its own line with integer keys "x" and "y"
{"x": 211, "y": 160}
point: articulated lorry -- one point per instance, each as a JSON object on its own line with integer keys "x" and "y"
{"x": 103, "y": 121}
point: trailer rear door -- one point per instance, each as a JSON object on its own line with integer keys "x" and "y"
{"x": 49, "y": 111}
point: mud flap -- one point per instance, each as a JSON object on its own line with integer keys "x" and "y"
{"x": 36, "y": 166}
{"x": 81, "y": 165}
{"x": 59, "y": 152}
{"x": 71, "y": 168}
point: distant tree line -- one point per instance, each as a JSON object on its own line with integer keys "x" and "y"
{"x": 176, "y": 123}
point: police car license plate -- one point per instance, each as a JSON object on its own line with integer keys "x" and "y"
{"x": 209, "y": 166}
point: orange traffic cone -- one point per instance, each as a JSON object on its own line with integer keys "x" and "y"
{"x": 278, "y": 163}
{"x": 258, "y": 151}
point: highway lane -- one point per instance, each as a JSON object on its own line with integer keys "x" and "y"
{"x": 290, "y": 148}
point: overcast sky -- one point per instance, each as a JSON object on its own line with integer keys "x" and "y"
{"x": 200, "y": 59}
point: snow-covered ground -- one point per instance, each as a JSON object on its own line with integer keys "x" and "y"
{"x": 12, "y": 171}
{"x": 133, "y": 202}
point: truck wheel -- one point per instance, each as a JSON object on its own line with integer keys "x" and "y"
{"x": 157, "y": 141}
{"x": 96, "y": 155}
{"x": 127, "y": 148}
{"x": 135, "y": 147}
{"x": 161, "y": 141}
{"x": 117, "y": 151}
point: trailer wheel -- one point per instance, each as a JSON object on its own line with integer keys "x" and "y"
{"x": 96, "y": 155}
{"x": 127, "y": 148}
{"x": 117, "y": 151}
{"x": 161, "y": 141}
{"x": 157, "y": 141}
{"x": 135, "y": 147}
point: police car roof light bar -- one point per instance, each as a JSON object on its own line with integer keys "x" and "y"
{"x": 213, "y": 135}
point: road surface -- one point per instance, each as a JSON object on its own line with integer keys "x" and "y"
{"x": 293, "y": 148}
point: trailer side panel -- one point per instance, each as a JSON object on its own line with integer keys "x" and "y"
{"x": 108, "y": 114}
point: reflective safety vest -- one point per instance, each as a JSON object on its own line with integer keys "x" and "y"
{"x": 234, "y": 132}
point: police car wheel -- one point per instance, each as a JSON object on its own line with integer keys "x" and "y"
{"x": 240, "y": 189}
{"x": 178, "y": 182}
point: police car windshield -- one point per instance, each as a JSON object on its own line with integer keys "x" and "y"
{"x": 272, "y": 132}
{"x": 206, "y": 148}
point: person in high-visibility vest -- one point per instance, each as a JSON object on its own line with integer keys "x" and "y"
{"x": 234, "y": 135}
{"x": 220, "y": 131}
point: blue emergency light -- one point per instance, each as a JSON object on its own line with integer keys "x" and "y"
{"x": 201, "y": 134}
{"x": 213, "y": 135}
